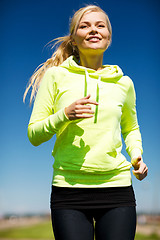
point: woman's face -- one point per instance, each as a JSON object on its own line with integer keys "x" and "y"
{"x": 92, "y": 34}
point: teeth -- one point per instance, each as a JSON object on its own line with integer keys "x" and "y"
{"x": 94, "y": 38}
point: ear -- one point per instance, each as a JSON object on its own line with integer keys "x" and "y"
{"x": 73, "y": 41}
{"x": 109, "y": 41}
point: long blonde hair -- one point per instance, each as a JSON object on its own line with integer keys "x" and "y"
{"x": 64, "y": 50}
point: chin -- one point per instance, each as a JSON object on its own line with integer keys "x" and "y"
{"x": 96, "y": 49}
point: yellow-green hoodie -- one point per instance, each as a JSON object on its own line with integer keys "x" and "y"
{"x": 87, "y": 152}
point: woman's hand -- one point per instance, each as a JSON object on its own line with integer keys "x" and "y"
{"x": 79, "y": 109}
{"x": 140, "y": 168}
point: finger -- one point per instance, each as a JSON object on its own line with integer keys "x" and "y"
{"x": 87, "y": 101}
{"x": 81, "y": 111}
{"x": 79, "y": 107}
{"x": 146, "y": 171}
{"x": 139, "y": 171}
{"x": 88, "y": 96}
{"x": 84, "y": 116}
{"x": 143, "y": 168}
{"x": 136, "y": 175}
{"x": 140, "y": 176}
{"x": 85, "y": 98}
{"x": 139, "y": 158}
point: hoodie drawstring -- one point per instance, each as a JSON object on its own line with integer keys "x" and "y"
{"x": 97, "y": 100}
{"x": 97, "y": 93}
{"x": 86, "y": 83}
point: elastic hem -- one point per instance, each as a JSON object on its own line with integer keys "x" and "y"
{"x": 82, "y": 179}
{"x": 93, "y": 198}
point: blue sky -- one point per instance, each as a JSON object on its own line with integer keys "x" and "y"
{"x": 26, "y": 27}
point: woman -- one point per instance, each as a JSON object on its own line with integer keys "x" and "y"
{"x": 88, "y": 105}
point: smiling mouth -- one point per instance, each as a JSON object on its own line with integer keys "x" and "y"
{"x": 93, "y": 39}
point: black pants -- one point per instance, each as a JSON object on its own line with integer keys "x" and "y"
{"x": 109, "y": 224}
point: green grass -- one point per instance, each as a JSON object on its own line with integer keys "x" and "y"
{"x": 151, "y": 237}
{"x": 44, "y": 231}
{"x": 38, "y": 231}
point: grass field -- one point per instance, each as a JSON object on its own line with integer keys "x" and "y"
{"x": 44, "y": 231}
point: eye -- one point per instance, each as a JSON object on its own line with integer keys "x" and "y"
{"x": 83, "y": 26}
{"x": 101, "y": 25}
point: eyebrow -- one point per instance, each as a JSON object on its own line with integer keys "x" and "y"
{"x": 101, "y": 21}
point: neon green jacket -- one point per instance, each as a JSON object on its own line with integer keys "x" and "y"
{"x": 87, "y": 152}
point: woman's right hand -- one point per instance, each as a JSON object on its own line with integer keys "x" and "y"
{"x": 140, "y": 168}
{"x": 80, "y": 109}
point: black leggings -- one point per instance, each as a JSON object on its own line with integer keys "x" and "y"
{"x": 106, "y": 224}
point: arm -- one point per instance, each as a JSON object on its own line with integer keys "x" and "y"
{"x": 44, "y": 123}
{"x": 131, "y": 134}
{"x": 129, "y": 123}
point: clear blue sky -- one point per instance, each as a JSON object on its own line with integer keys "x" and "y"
{"x": 26, "y": 27}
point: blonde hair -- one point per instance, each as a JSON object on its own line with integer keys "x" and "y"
{"x": 64, "y": 50}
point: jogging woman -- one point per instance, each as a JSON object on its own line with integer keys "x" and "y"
{"x": 88, "y": 105}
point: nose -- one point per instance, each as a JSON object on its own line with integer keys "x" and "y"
{"x": 93, "y": 29}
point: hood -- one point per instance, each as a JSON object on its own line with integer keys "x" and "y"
{"x": 109, "y": 73}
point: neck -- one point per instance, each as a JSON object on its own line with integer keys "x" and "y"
{"x": 93, "y": 61}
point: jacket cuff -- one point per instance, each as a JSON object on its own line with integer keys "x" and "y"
{"x": 58, "y": 119}
{"x": 135, "y": 153}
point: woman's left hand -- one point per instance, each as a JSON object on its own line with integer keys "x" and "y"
{"x": 140, "y": 168}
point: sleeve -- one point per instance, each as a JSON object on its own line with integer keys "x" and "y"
{"x": 44, "y": 123}
{"x": 129, "y": 124}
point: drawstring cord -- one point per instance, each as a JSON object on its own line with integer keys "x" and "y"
{"x": 97, "y": 93}
{"x": 97, "y": 100}
{"x": 86, "y": 83}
